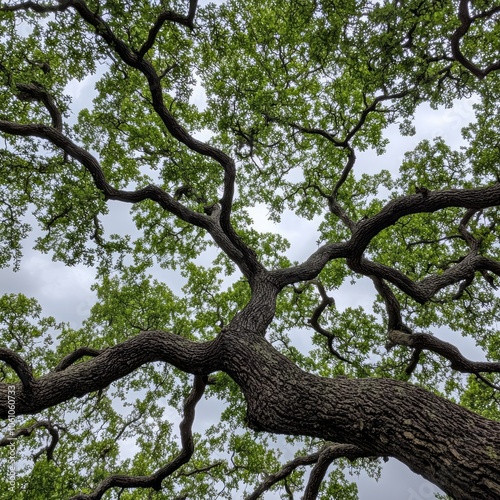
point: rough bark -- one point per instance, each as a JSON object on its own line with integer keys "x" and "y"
{"x": 450, "y": 446}
{"x": 447, "y": 444}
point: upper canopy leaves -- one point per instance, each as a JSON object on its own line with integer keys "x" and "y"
{"x": 202, "y": 118}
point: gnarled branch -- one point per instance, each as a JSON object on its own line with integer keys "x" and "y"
{"x": 466, "y": 22}
{"x": 322, "y": 458}
{"x": 424, "y": 341}
{"x": 35, "y": 92}
{"x": 154, "y": 480}
{"x": 61, "y": 6}
{"x": 327, "y": 455}
{"x": 75, "y": 356}
{"x": 168, "y": 15}
{"x": 326, "y": 301}
{"x": 367, "y": 229}
{"x": 112, "y": 364}
{"x": 22, "y": 369}
{"x": 53, "y": 430}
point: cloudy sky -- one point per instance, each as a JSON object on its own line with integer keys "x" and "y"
{"x": 65, "y": 292}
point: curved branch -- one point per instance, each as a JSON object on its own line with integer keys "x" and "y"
{"x": 394, "y": 320}
{"x": 112, "y": 364}
{"x": 174, "y": 127}
{"x": 171, "y": 16}
{"x": 488, "y": 278}
{"x": 392, "y": 306}
{"x": 35, "y": 92}
{"x": 367, "y": 229}
{"x": 425, "y": 289}
{"x": 337, "y": 210}
{"x": 463, "y": 286}
{"x": 310, "y": 268}
{"x": 386, "y": 417}
{"x": 75, "y": 356}
{"x": 344, "y": 143}
{"x": 372, "y": 107}
{"x": 322, "y": 459}
{"x": 326, "y": 301}
{"x": 22, "y": 369}
{"x": 449, "y": 351}
{"x": 333, "y": 204}
{"x": 487, "y": 382}
{"x": 36, "y": 7}
{"x": 462, "y": 229}
{"x": 27, "y": 431}
{"x": 351, "y": 159}
{"x": 283, "y": 473}
{"x": 414, "y": 360}
{"x": 150, "y": 192}
{"x": 428, "y": 202}
{"x": 327, "y": 455}
{"x": 154, "y": 480}
{"x": 466, "y": 22}
{"x": 241, "y": 253}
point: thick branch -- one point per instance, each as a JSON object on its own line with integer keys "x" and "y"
{"x": 463, "y": 271}
{"x": 367, "y": 229}
{"x": 452, "y": 447}
{"x": 174, "y": 127}
{"x": 449, "y": 351}
{"x": 394, "y": 320}
{"x": 112, "y": 364}
{"x": 151, "y": 192}
{"x": 428, "y": 202}
{"x": 241, "y": 254}
{"x": 425, "y": 289}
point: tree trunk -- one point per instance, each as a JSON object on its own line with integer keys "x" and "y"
{"x": 450, "y": 446}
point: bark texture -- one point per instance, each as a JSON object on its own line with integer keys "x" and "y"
{"x": 450, "y": 446}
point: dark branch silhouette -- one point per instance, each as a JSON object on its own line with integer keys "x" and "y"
{"x": 154, "y": 480}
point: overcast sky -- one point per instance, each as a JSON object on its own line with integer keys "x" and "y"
{"x": 65, "y": 292}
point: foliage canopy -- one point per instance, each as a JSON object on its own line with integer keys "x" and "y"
{"x": 198, "y": 115}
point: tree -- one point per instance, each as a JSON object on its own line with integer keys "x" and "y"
{"x": 293, "y": 92}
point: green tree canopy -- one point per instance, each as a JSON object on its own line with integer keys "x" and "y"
{"x": 199, "y": 114}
